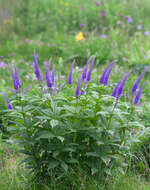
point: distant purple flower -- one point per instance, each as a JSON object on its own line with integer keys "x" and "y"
{"x": 129, "y": 19}
{"x": 137, "y": 82}
{"x": 53, "y": 76}
{"x": 1, "y": 57}
{"x": 82, "y": 25}
{"x": 8, "y": 102}
{"x": 22, "y": 60}
{"x": 97, "y": 3}
{"x": 62, "y": 76}
{"x": 77, "y": 92}
{"x": 36, "y": 67}
{"x": 103, "y": 13}
{"x": 82, "y": 92}
{"x": 146, "y": 33}
{"x": 47, "y": 75}
{"x": 70, "y": 74}
{"x": 90, "y": 70}
{"x": 3, "y": 65}
{"x": 103, "y": 36}
{"x": 139, "y": 27}
{"x": 138, "y": 95}
{"x": 102, "y": 2}
{"x": 114, "y": 93}
{"x": 18, "y": 83}
{"x": 27, "y": 76}
{"x": 84, "y": 74}
{"x": 102, "y": 78}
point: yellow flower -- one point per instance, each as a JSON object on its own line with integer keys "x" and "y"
{"x": 80, "y": 36}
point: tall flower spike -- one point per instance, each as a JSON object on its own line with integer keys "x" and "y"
{"x": 138, "y": 95}
{"x": 102, "y": 78}
{"x": 7, "y": 100}
{"x": 71, "y": 73}
{"x": 36, "y": 67}
{"x": 86, "y": 68}
{"x": 47, "y": 75}
{"x": 106, "y": 79}
{"x": 122, "y": 85}
{"x": 90, "y": 70}
{"x": 77, "y": 93}
{"x": 18, "y": 83}
{"x": 114, "y": 93}
{"x": 53, "y": 76}
{"x": 137, "y": 82}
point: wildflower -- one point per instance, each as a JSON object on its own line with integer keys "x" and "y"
{"x": 117, "y": 92}
{"x": 16, "y": 79}
{"x": 36, "y": 67}
{"x": 85, "y": 69}
{"x": 137, "y": 82}
{"x": 139, "y": 27}
{"x": 53, "y": 76}
{"x": 90, "y": 70}
{"x": 7, "y": 100}
{"x": 3, "y": 65}
{"x": 122, "y": 85}
{"x": 70, "y": 74}
{"x": 82, "y": 92}
{"x": 146, "y": 33}
{"x": 101, "y": 80}
{"x": 103, "y": 13}
{"x": 106, "y": 79}
{"x": 82, "y": 25}
{"x": 80, "y": 36}
{"x": 129, "y": 19}
{"x": 103, "y": 36}
{"x": 77, "y": 93}
{"x": 97, "y": 3}
{"x": 47, "y": 75}
{"x": 138, "y": 95}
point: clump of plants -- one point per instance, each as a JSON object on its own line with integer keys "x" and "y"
{"x": 61, "y": 135}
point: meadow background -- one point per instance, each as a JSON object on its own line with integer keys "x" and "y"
{"x": 67, "y": 30}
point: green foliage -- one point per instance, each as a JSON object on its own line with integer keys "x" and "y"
{"x": 58, "y": 135}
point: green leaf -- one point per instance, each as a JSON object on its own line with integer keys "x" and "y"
{"x": 54, "y": 123}
{"x": 94, "y": 170}
{"x": 53, "y": 164}
{"x": 64, "y": 166}
{"x": 45, "y": 135}
{"x": 93, "y": 154}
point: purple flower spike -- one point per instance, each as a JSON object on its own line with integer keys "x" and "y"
{"x": 116, "y": 89}
{"x": 47, "y": 75}
{"x": 77, "y": 93}
{"x": 138, "y": 95}
{"x": 16, "y": 80}
{"x": 102, "y": 78}
{"x": 36, "y": 67}
{"x": 82, "y": 91}
{"x": 70, "y": 74}
{"x": 86, "y": 68}
{"x": 137, "y": 82}
{"x": 103, "y": 13}
{"x": 90, "y": 70}
{"x": 106, "y": 79}
{"x": 122, "y": 85}
{"x": 53, "y": 76}
{"x": 7, "y": 100}
{"x": 18, "y": 83}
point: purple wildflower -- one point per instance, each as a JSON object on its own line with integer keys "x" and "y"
{"x": 70, "y": 74}
{"x": 102, "y": 78}
{"x": 3, "y": 65}
{"x": 97, "y": 3}
{"x": 1, "y": 57}
{"x": 114, "y": 93}
{"x": 53, "y": 76}
{"x": 137, "y": 82}
{"x": 138, "y": 95}
{"x": 102, "y": 2}
{"x": 146, "y": 33}
{"x": 103, "y": 13}
{"x": 139, "y": 27}
{"x": 77, "y": 93}
{"x": 103, "y": 36}
{"x": 106, "y": 79}
{"x": 129, "y": 19}
{"x": 16, "y": 79}
{"x": 47, "y": 75}
{"x": 90, "y": 70}
{"x": 86, "y": 68}
{"x": 122, "y": 85}
{"x": 82, "y": 92}
{"x": 7, "y": 100}
{"x": 36, "y": 67}
{"x": 82, "y": 25}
